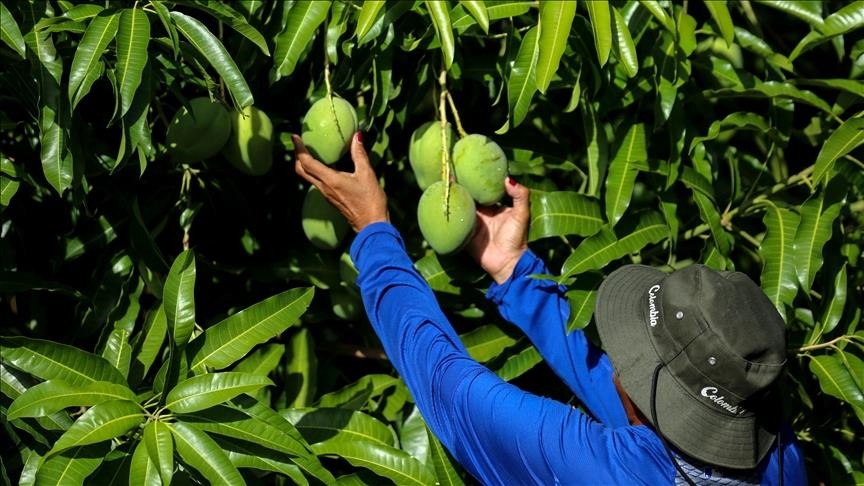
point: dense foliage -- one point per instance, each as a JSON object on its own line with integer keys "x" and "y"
{"x": 164, "y": 319}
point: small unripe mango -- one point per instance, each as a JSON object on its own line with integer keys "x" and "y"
{"x": 327, "y": 129}
{"x": 446, "y": 231}
{"x": 481, "y": 167}
{"x": 425, "y": 151}
{"x": 198, "y": 131}
{"x": 323, "y": 224}
{"x": 250, "y": 146}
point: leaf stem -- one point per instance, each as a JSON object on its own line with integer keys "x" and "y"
{"x": 445, "y": 156}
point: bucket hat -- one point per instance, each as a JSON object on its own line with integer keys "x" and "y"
{"x": 697, "y": 351}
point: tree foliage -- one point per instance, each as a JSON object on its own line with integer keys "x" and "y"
{"x": 170, "y": 320}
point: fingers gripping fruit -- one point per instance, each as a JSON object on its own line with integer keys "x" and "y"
{"x": 323, "y": 224}
{"x": 250, "y": 146}
{"x": 425, "y": 151}
{"x": 446, "y": 231}
{"x": 198, "y": 131}
{"x": 481, "y": 167}
{"x": 327, "y": 130}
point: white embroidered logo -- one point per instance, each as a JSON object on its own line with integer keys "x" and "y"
{"x": 710, "y": 393}
{"x": 653, "y": 313}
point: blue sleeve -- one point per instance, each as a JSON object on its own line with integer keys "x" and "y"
{"x": 499, "y": 433}
{"x": 794, "y": 471}
{"x": 540, "y": 309}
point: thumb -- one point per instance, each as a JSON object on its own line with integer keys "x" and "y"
{"x": 358, "y": 153}
{"x": 519, "y": 193}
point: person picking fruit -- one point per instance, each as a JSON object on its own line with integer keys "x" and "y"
{"x": 685, "y": 391}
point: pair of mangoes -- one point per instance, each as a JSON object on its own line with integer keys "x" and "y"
{"x": 203, "y": 128}
{"x": 447, "y": 217}
{"x": 327, "y": 130}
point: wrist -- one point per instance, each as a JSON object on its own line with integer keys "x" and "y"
{"x": 505, "y": 271}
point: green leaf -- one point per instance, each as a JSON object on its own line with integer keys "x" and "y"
{"x": 212, "y": 49}
{"x": 522, "y": 82}
{"x": 740, "y": 120}
{"x": 818, "y": 215}
{"x": 232, "y": 19}
{"x": 246, "y": 455}
{"x": 160, "y": 448}
{"x": 632, "y": 154}
{"x": 143, "y": 471}
{"x": 556, "y": 18}
{"x": 355, "y": 395}
{"x": 55, "y": 395}
{"x": 836, "y": 378}
{"x": 302, "y": 368}
{"x": 486, "y": 342}
{"x": 495, "y": 11}
{"x": 625, "y": 47}
{"x": 229, "y": 340}
{"x": 809, "y": 11}
{"x": 56, "y": 160}
{"x": 774, "y": 89}
{"x": 87, "y": 64}
{"x": 54, "y": 361}
{"x": 563, "y": 213}
{"x": 834, "y": 310}
{"x": 386, "y": 461}
{"x": 10, "y": 33}
{"x": 519, "y": 364}
{"x": 446, "y": 469}
{"x": 756, "y": 44}
{"x": 179, "y": 298}
{"x": 9, "y": 180}
{"x": 101, "y": 422}
{"x": 601, "y": 26}
{"x": 439, "y": 13}
{"x": 303, "y": 20}
{"x": 202, "y": 453}
{"x": 263, "y": 360}
{"x": 846, "y": 138}
{"x": 597, "y": 151}
{"x": 72, "y": 466}
{"x": 117, "y": 351}
{"x": 843, "y": 21}
{"x": 133, "y": 36}
{"x": 779, "y": 279}
{"x": 203, "y": 391}
{"x": 720, "y": 13}
{"x": 654, "y": 7}
{"x": 366, "y": 19}
{"x": 477, "y": 9}
{"x": 148, "y": 343}
{"x": 320, "y": 424}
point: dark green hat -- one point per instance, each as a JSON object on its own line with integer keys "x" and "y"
{"x": 716, "y": 342}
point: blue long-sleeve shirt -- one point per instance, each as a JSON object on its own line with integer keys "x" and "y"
{"x": 498, "y": 432}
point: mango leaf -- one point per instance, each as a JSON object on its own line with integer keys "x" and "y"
{"x": 148, "y": 343}
{"x": 625, "y": 47}
{"x": 850, "y": 86}
{"x": 601, "y": 26}
{"x": 160, "y": 448}
{"x": 439, "y": 13}
{"x": 262, "y": 361}
{"x": 233, "y": 19}
{"x": 809, "y": 11}
{"x": 818, "y": 215}
{"x": 72, "y": 466}
{"x": 522, "y": 82}
{"x": 303, "y": 20}
{"x": 740, "y": 120}
{"x": 179, "y": 298}
{"x": 165, "y": 18}
{"x": 431, "y": 268}
{"x": 486, "y": 342}
{"x": 9, "y": 180}
{"x": 320, "y": 424}
{"x": 50, "y": 360}
{"x": 101, "y": 422}
{"x": 117, "y": 351}
{"x": 720, "y": 13}
{"x": 774, "y": 89}
{"x": 232, "y": 338}
{"x": 843, "y": 140}
{"x": 494, "y": 11}
{"x": 631, "y": 155}
{"x": 247, "y": 455}
{"x": 597, "y": 152}
{"x": 142, "y": 470}
{"x": 13, "y": 384}
{"x": 556, "y": 18}
{"x": 696, "y": 182}
{"x": 133, "y": 36}
{"x": 366, "y": 19}
{"x": 413, "y": 438}
{"x": 711, "y": 215}
{"x": 834, "y": 310}
{"x": 87, "y": 63}
{"x": 10, "y": 33}
{"x": 203, "y": 391}
{"x": 55, "y": 395}
{"x": 386, "y": 461}
{"x": 301, "y": 368}
{"x": 751, "y": 42}
{"x": 563, "y": 213}
{"x": 518, "y": 364}
{"x": 477, "y": 9}
{"x": 203, "y": 454}
{"x": 446, "y": 469}
{"x": 654, "y": 7}
{"x": 835, "y": 374}
{"x": 355, "y": 395}
{"x": 779, "y": 279}
{"x": 212, "y": 49}
{"x": 843, "y": 21}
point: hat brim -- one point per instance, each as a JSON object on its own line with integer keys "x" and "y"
{"x": 694, "y": 428}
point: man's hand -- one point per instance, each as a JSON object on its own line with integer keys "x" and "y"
{"x": 501, "y": 235}
{"x": 356, "y": 195}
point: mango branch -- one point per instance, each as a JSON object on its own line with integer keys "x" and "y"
{"x": 462, "y": 132}
{"x": 445, "y": 155}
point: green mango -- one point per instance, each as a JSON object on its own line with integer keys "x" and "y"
{"x": 198, "y": 131}
{"x": 323, "y": 224}
{"x": 446, "y": 231}
{"x": 250, "y": 146}
{"x": 481, "y": 166}
{"x": 327, "y": 129}
{"x": 424, "y": 152}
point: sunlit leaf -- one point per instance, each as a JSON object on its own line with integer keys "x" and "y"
{"x": 632, "y": 154}
{"x": 835, "y": 378}
{"x": 133, "y": 36}
{"x": 625, "y": 47}
{"x": 142, "y": 470}
{"x": 389, "y": 462}
{"x": 439, "y": 14}
{"x": 304, "y": 18}
{"x": 179, "y": 295}
{"x": 355, "y": 395}
{"x": 302, "y": 370}
{"x": 233, "y": 19}
{"x": 837, "y": 303}
{"x": 101, "y": 422}
{"x": 779, "y": 279}
{"x": 445, "y": 467}
{"x": 657, "y": 11}
{"x": 601, "y": 26}
{"x": 10, "y": 33}
{"x": 203, "y": 391}
{"x": 477, "y": 9}
{"x": 843, "y": 21}
{"x": 160, "y": 448}
{"x": 117, "y": 351}
{"x": 774, "y": 89}
{"x": 72, "y": 466}
{"x": 203, "y": 454}
{"x": 809, "y": 11}
{"x": 247, "y": 455}
{"x": 843, "y": 140}
{"x": 9, "y": 182}
{"x": 55, "y": 395}
{"x": 320, "y": 424}
{"x": 720, "y": 13}
{"x": 367, "y": 17}
{"x": 818, "y": 216}
{"x": 522, "y": 82}
{"x": 486, "y": 342}
{"x": 563, "y": 213}
{"x": 519, "y": 364}
{"x": 87, "y": 64}
{"x": 556, "y": 19}
{"x": 54, "y": 361}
